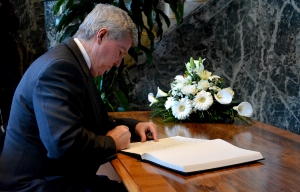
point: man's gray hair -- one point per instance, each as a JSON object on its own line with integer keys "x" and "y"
{"x": 116, "y": 20}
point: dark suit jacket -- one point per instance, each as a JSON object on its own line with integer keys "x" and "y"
{"x": 58, "y": 122}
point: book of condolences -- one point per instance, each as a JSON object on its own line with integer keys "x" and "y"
{"x": 188, "y": 155}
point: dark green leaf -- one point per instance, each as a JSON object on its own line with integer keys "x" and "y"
{"x": 166, "y": 18}
{"x": 137, "y": 13}
{"x": 69, "y": 4}
{"x": 148, "y": 53}
{"x": 133, "y": 53}
{"x": 147, "y": 10}
{"x": 98, "y": 81}
{"x": 70, "y": 31}
{"x": 58, "y": 5}
{"x": 122, "y": 99}
{"x": 151, "y": 37}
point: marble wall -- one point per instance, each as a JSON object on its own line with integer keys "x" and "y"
{"x": 253, "y": 44}
{"x": 31, "y": 36}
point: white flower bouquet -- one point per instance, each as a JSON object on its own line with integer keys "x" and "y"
{"x": 199, "y": 96}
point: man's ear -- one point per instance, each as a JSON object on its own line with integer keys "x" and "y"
{"x": 100, "y": 35}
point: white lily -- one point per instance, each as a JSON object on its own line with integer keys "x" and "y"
{"x": 199, "y": 64}
{"x": 223, "y": 97}
{"x": 190, "y": 66}
{"x": 195, "y": 65}
{"x": 244, "y": 109}
{"x": 229, "y": 89}
{"x": 152, "y": 99}
{"x": 160, "y": 93}
{"x": 204, "y": 74}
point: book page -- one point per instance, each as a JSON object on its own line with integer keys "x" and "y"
{"x": 166, "y": 143}
{"x": 188, "y": 154}
{"x": 201, "y": 156}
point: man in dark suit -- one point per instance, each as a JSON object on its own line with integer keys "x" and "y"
{"x": 59, "y": 132}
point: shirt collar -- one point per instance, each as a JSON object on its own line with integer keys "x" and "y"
{"x": 84, "y": 53}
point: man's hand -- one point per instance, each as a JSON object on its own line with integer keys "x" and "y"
{"x": 146, "y": 130}
{"x": 121, "y": 135}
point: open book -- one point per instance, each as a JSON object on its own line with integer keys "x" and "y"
{"x": 190, "y": 155}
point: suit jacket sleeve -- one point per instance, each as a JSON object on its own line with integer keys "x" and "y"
{"x": 60, "y": 104}
{"x": 131, "y": 123}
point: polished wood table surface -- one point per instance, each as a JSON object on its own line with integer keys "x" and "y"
{"x": 279, "y": 171}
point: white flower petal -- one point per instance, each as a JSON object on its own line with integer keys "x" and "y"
{"x": 189, "y": 90}
{"x": 229, "y": 89}
{"x": 181, "y": 109}
{"x": 244, "y": 109}
{"x": 203, "y": 85}
{"x": 199, "y": 66}
{"x": 169, "y": 102}
{"x": 203, "y": 74}
{"x": 214, "y": 77}
{"x": 179, "y": 78}
{"x": 189, "y": 67}
{"x": 203, "y": 101}
{"x": 152, "y": 99}
{"x": 223, "y": 97}
{"x": 160, "y": 93}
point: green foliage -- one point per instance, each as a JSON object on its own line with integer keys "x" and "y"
{"x": 114, "y": 97}
{"x": 217, "y": 113}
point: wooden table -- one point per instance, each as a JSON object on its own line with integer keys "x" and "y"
{"x": 280, "y": 171}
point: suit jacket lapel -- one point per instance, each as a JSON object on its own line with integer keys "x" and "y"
{"x": 98, "y": 104}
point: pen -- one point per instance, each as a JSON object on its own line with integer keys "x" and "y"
{"x": 115, "y": 122}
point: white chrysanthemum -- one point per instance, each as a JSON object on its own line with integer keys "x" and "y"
{"x": 223, "y": 97}
{"x": 189, "y": 90}
{"x": 169, "y": 102}
{"x": 178, "y": 85}
{"x": 229, "y": 89}
{"x": 152, "y": 99}
{"x": 203, "y": 85}
{"x": 179, "y": 78}
{"x": 181, "y": 109}
{"x": 244, "y": 109}
{"x": 178, "y": 82}
{"x": 160, "y": 93}
{"x": 203, "y": 100}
